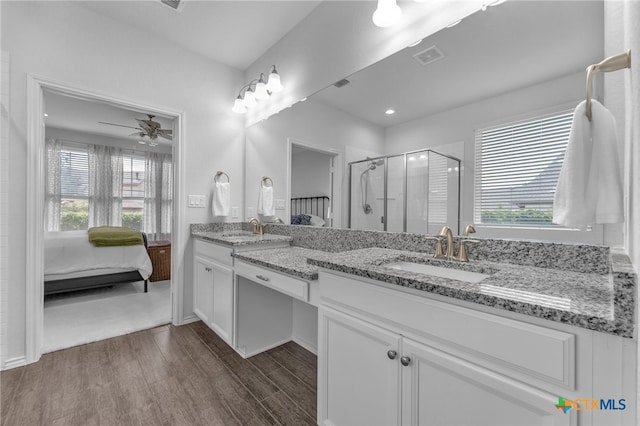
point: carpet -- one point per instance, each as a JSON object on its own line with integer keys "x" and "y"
{"x": 87, "y": 316}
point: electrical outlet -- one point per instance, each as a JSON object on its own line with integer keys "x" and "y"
{"x": 279, "y": 204}
{"x": 234, "y": 212}
{"x": 196, "y": 201}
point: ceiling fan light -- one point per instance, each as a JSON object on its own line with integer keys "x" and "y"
{"x": 238, "y": 106}
{"x": 387, "y": 13}
{"x": 274, "y": 85}
{"x": 249, "y": 99}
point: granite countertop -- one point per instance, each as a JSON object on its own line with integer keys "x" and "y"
{"x": 236, "y": 238}
{"x": 288, "y": 260}
{"x": 600, "y": 302}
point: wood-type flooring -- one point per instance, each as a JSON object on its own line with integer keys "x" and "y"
{"x": 163, "y": 376}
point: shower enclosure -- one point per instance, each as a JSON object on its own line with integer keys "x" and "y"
{"x": 415, "y": 192}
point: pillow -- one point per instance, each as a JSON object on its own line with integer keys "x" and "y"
{"x": 301, "y": 219}
{"x": 316, "y": 220}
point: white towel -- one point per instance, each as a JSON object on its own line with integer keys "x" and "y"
{"x": 265, "y": 201}
{"x": 221, "y": 199}
{"x": 589, "y": 187}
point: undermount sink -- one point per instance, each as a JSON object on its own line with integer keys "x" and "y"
{"x": 437, "y": 271}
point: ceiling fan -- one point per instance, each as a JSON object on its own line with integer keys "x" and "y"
{"x": 148, "y": 131}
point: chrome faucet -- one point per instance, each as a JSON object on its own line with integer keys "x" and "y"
{"x": 462, "y": 252}
{"x": 446, "y": 232}
{"x": 258, "y": 228}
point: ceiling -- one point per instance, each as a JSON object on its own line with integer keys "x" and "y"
{"x": 71, "y": 113}
{"x": 235, "y": 33}
{"x": 510, "y": 46}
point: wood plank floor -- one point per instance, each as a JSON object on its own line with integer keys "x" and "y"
{"x": 164, "y": 376}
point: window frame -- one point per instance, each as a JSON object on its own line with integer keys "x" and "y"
{"x": 593, "y": 234}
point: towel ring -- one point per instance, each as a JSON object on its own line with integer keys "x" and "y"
{"x": 264, "y": 179}
{"x": 612, "y": 63}
{"x": 219, "y": 173}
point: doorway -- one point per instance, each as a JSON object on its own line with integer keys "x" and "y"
{"x": 314, "y": 183}
{"x": 36, "y": 88}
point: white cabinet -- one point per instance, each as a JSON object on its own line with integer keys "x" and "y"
{"x": 440, "y": 389}
{"x": 369, "y": 375}
{"x": 213, "y": 288}
{"x": 360, "y": 372}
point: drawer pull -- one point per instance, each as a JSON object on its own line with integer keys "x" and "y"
{"x": 262, "y": 277}
{"x": 392, "y": 354}
{"x": 405, "y": 360}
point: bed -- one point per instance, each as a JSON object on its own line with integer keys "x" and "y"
{"x": 72, "y": 263}
{"x": 310, "y": 210}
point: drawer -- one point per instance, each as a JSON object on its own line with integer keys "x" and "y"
{"x": 279, "y": 282}
{"x": 220, "y": 254}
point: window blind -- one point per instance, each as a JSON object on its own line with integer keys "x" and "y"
{"x": 517, "y": 170}
{"x": 133, "y": 178}
{"x": 74, "y": 173}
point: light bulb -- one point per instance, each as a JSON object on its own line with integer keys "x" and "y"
{"x": 238, "y": 106}
{"x": 249, "y": 99}
{"x": 387, "y": 13}
{"x": 274, "y": 85}
{"x": 261, "y": 90}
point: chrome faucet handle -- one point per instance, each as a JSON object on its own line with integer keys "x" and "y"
{"x": 462, "y": 252}
{"x": 439, "y": 253}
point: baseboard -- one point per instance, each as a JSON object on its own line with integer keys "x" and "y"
{"x": 19, "y": 361}
{"x": 311, "y": 347}
{"x": 188, "y": 320}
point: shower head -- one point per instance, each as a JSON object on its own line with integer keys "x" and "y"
{"x": 374, "y": 163}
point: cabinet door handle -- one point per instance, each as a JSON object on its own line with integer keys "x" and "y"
{"x": 392, "y": 354}
{"x": 262, "y": 277}
{"x": 207, "y": 269}
{"x": 405, "y": 360}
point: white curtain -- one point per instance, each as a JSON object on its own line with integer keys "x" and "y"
{"x": 53, "y": 186}
{"x": 105, "y": 186}
{"x": 158, "y": 196}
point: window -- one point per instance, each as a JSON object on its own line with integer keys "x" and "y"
{"x": 517, "y": 170}
{"x": 74, "y": 189}
{"x": 133, "y": 190}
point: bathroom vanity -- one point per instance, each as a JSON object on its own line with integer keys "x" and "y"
{"x": 493, "y": 343}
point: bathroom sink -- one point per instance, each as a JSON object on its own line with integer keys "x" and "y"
{"x": 238, "y": 234}
{"x": 437, "y": 271}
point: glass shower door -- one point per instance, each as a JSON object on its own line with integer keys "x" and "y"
{"x": 367, "y": 195}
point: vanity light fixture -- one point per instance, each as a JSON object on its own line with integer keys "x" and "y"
{"x": 257, "y": 90}
{"x": 387, "y": 13}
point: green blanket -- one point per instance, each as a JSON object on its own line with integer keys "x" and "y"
{"x": 105, "y": 236}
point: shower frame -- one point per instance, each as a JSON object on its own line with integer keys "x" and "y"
{"x": 405, "y": 156}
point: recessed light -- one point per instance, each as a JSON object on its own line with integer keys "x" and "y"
{"x": 390, "y": 111}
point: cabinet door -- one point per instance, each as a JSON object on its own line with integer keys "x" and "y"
{"x": 203, "y": 289}
{"x": 440, "y": 389}
{"x": 222, "y": 299}
{"x": 358, "y": 383}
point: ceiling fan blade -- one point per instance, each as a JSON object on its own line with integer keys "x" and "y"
{"x": 148, "y": 123}
{"x": 119, "y": 125}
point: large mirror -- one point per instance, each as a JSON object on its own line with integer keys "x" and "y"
{"x": 508, "y": 63}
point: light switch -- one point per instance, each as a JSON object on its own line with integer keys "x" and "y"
{"x": 234, "y": 212}
{"x": 279, "y": 204}
{"x": 196, "y": 201}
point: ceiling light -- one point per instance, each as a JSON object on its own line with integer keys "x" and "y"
{"x": 412, "y": 158}
{"x": 274, "y": 85}
{"x": 387, "y": 13}
{"x": 390, "y": 111}
{"x": 262, "y": 91}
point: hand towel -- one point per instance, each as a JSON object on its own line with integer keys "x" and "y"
{"x": 221, "y": 199}
{"x": 265, "y": 201}
{"x": 590, "y": 186}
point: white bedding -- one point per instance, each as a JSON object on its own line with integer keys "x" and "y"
{"x": 73, "y": 252}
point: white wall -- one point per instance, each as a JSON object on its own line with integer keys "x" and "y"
{"x": 310, "y": 174}
{"x": 311, "y": 123}
{"x": 67, "y": 43}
